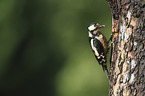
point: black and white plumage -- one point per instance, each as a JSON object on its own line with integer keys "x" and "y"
{"x": 99, "y": 45}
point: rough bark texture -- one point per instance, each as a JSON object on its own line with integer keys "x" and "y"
{"x": 127, "y": 72}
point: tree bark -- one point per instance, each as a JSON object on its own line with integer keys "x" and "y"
{"x": 127, "y": 69}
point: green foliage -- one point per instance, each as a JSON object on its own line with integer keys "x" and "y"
{"x": 45, "y": 51}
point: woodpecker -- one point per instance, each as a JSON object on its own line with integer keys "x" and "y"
{"x": 99, "y": 45}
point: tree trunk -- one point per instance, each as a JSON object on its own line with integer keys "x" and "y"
{"x": 127, "y": 72}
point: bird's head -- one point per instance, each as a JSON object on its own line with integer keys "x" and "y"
{"x": 95, "y": 26}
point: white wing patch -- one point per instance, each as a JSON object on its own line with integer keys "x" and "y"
{"x": 93, "y": 47}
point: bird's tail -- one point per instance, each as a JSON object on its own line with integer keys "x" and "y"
{"x": 107, "y": 74}
{"x": 106, "y": 71}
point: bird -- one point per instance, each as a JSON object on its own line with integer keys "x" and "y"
{"x": 99, "y": 45}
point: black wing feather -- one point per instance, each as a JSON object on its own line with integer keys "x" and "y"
{"x": 99, "y": 47}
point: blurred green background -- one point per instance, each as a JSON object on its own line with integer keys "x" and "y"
{"x": 45, "y": 51}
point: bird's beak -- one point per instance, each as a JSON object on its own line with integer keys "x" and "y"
{"x": 102, "y": 26}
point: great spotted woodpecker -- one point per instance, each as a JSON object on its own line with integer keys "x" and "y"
{"x": 99, "y": 45}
